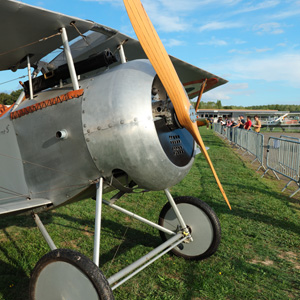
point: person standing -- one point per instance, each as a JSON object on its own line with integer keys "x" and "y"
{"x": 242, "y": 122}
{"x": 257, "y": 124}
{"x": 248, "y": 124}
{"x": 211, "y": 121}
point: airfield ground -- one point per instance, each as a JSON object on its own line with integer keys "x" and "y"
{"x": 258, "y": 257}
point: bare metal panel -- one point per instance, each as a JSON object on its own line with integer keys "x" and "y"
{"x": 23, "y": 24}
{"x": 119, "y": 128}
{"x": 13, "y": 187}
{"x": 55, "y": 169}
{"x": 22, "y": 205}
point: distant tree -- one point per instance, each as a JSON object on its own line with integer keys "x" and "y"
{"x": 15, "y": 94}
{"x": 5, "y": 98}
{"x": 219, "y": 104}
{"x": 8, "y": 99}
{"x": 280, "y": 107}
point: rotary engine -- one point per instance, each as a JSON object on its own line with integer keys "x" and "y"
{"x": 132, "y": 131}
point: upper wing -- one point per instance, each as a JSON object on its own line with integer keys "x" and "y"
{"x": 27, "y": 30}
{"x": 191, "y": 76}
{"x": 30, "y": 30}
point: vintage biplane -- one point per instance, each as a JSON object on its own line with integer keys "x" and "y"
{"x": 108, "y": 113}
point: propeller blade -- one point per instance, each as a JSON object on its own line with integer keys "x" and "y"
{"x": 165, "y": 70}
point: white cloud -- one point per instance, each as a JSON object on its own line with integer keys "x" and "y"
{"x": 191, "y": 5}
{"x": 240, "y": 51}
{"x": 225, "y": 92}
{"x": 173, "y": 43}
{"x": 259, "y": 6}
{"x": 285, "y": 14}
{"x": 168, "y": 23}
{"x": 114, "y": 2}
{"x": 239, "y": 42}
{"x": 178, "y": 5}
{"x": 272, "y": 28}
{"x": 214, "y": 42}
{"x": 163, "y": 19}
{"x": 263, "y": 50}
{"x": 219, "y": 25}
{"x": 283, "y": 67}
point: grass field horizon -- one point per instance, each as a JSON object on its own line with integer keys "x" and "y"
{"x": 258, "y": 257}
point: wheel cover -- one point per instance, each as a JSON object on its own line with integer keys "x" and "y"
{"x": 61, "y": 280}
{"x": 200, "y": 225}
{"x": 67, "y": 274}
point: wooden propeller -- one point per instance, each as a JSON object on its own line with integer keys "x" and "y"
{"x": 164, "y": 68}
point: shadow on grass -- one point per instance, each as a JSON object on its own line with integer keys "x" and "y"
{"x": 243, "y": 213}
{"x": 14, "y": 280}
{"x": 13, "y": 277}
{"x": 114, "y": 230}
{"x": 25, "y": 221}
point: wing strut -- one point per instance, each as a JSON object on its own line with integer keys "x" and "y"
{"x": 69, "y": 57}
{"x": 29, "y": 77}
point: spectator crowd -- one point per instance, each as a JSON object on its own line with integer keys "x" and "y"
{"x": 241, "y": 123}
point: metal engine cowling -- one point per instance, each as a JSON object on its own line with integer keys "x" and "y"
{"x": 121, "y": 134}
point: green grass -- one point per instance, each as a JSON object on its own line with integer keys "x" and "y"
{"x": 258, "y": 257}
{"x": 279, "y": 129}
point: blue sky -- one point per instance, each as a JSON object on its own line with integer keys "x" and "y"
{"x": 255, "y": 45}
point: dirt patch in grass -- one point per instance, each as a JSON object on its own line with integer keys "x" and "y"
{"x": 73, "y": 244}
{"x": 266, "y": 262}
{"x": 87, "y": 232}
{"x": 291, "y": 257}
{"x": 3, "y": 238}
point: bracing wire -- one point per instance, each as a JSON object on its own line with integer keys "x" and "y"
{"x": 38, "y": 41}
{"x": 1, "y": 83}
{"x": 41, "y": 166}
{"x": 16, "y": 195}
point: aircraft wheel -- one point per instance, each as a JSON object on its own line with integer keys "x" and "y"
{"x": 202, "y": 223}
{"x": 67, "y": 274}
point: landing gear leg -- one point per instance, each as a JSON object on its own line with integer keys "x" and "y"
{"x": 67, "y": 274}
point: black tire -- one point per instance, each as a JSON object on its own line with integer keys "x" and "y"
{"x": 64, "y": 271}
{"x": 202, "y": 223}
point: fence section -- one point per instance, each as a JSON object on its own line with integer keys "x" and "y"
{"x": 283, "y": 157}
{"x": 250, "y": 141}
{"x": 283, "y": 154}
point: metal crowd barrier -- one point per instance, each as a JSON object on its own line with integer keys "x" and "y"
{"x": 283, "y": 157}
{"x": 248, "y": 140}
{"x": 283, "y": 154}
{"x": 219, "y": 128}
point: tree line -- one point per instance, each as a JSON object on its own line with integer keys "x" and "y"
{"x": 8, "y": 99}
{"x": 218, "y": 105}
